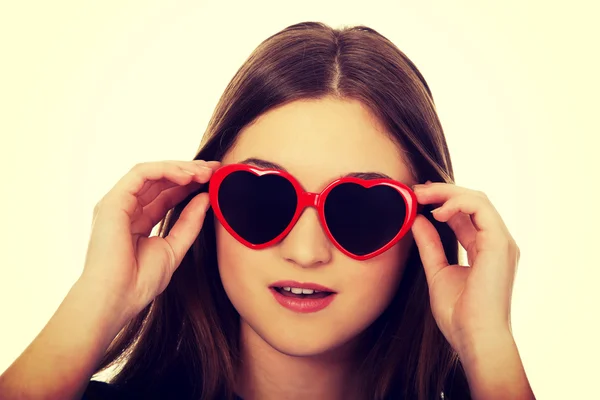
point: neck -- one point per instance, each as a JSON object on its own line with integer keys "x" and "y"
{"x": 266, "y": 373}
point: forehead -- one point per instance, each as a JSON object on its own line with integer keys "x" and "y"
{"x": 320, "y": 140}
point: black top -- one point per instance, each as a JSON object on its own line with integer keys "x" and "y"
{"x": 98, "y": 390}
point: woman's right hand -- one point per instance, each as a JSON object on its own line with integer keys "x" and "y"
{"x": 124, "y": 270}
{"x": 122, "y": 261}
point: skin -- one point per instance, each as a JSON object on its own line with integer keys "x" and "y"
{"x": 471, "y": 304}
{"x": 287, "y": 354}
{"x": 297, "y": 356}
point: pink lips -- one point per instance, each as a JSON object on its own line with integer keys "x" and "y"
{"x": 300, "y": 285}
{"x": 306, "y": 305}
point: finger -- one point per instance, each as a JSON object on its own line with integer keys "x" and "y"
{"x": 430, "y": 247}
{"x": 187, "y": 228}
{"x": 199, "y": 169}
{"x": 486, "y": 218}
{"x": 490, "y": 227}
{"x": 465, "y": 232}
{"x": 201, "y": 175}
{"x": 152, "y": 189}
{"x": 141, "y": 178}
{"x": 152, "y": 214}
{"x": 214, "y": 165}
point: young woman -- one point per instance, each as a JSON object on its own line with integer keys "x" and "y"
{"x": 300, "y": 255}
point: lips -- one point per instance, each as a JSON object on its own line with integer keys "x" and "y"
{"x": 319, "y": 298}
{"x": 301, "y": 285}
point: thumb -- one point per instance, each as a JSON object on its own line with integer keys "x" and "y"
{"x": 430, "y": 247}
{"x": 186, "y": 229}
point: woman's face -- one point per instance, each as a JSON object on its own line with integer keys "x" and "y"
{"x": 316, "y": 141}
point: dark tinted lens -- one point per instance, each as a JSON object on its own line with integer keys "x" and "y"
{"x": 364, "y": 220}
{"x": 257, "y": 208}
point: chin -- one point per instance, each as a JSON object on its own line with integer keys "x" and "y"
{"x": 305, "y": 348}
{"x": 304, "y": 341}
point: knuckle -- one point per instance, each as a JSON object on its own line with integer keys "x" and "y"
{"x": 100, "y": 207}
{"x": 481, "y": 194}
{"x": 173, "y": 165}
{"x": 200, "y": 166}
{"x": 137, "y": 167}
{"x": 100, "y": 204}
{"x": 509, "y": 248}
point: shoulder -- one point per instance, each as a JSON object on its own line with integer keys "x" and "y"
{"x": 98, "y": 390}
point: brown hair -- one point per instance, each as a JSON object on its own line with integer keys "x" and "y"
{"x": 186, "y": 339}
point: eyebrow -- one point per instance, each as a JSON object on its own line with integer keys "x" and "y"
{"x": 271, "y": 165}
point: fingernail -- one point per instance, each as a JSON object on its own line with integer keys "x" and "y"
{"x": 421, "y": 185}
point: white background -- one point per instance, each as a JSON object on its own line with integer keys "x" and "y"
{"x": 88, "y": 89}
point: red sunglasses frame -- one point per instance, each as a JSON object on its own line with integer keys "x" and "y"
{"x": 309, "y": 199}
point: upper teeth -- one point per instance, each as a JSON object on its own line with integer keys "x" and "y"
{"x": 299, "y": 291}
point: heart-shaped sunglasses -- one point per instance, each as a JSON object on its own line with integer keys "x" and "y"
{"x": 362, "y": 217}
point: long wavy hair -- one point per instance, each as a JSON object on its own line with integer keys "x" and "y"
{"x": 185, "y": 343}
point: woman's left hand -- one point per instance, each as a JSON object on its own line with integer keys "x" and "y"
{"x": 468, "y": 303}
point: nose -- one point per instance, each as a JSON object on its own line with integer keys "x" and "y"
{"x": 307, "y": 245}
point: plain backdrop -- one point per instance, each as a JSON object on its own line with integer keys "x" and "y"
{"x": 88, "y": 89}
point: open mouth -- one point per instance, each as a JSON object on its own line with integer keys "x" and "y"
{"x": 302, "y": 297}
{"x": 301, "y": 293}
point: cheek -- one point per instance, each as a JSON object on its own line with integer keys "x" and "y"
{"x": 238, "y": 269}
{"x": 373, "y": 284}
{"x": 230, "y": 258}
{"x": 366, "y": 288}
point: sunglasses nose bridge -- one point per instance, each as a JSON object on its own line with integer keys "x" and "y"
{"x": 308, "y": 199}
